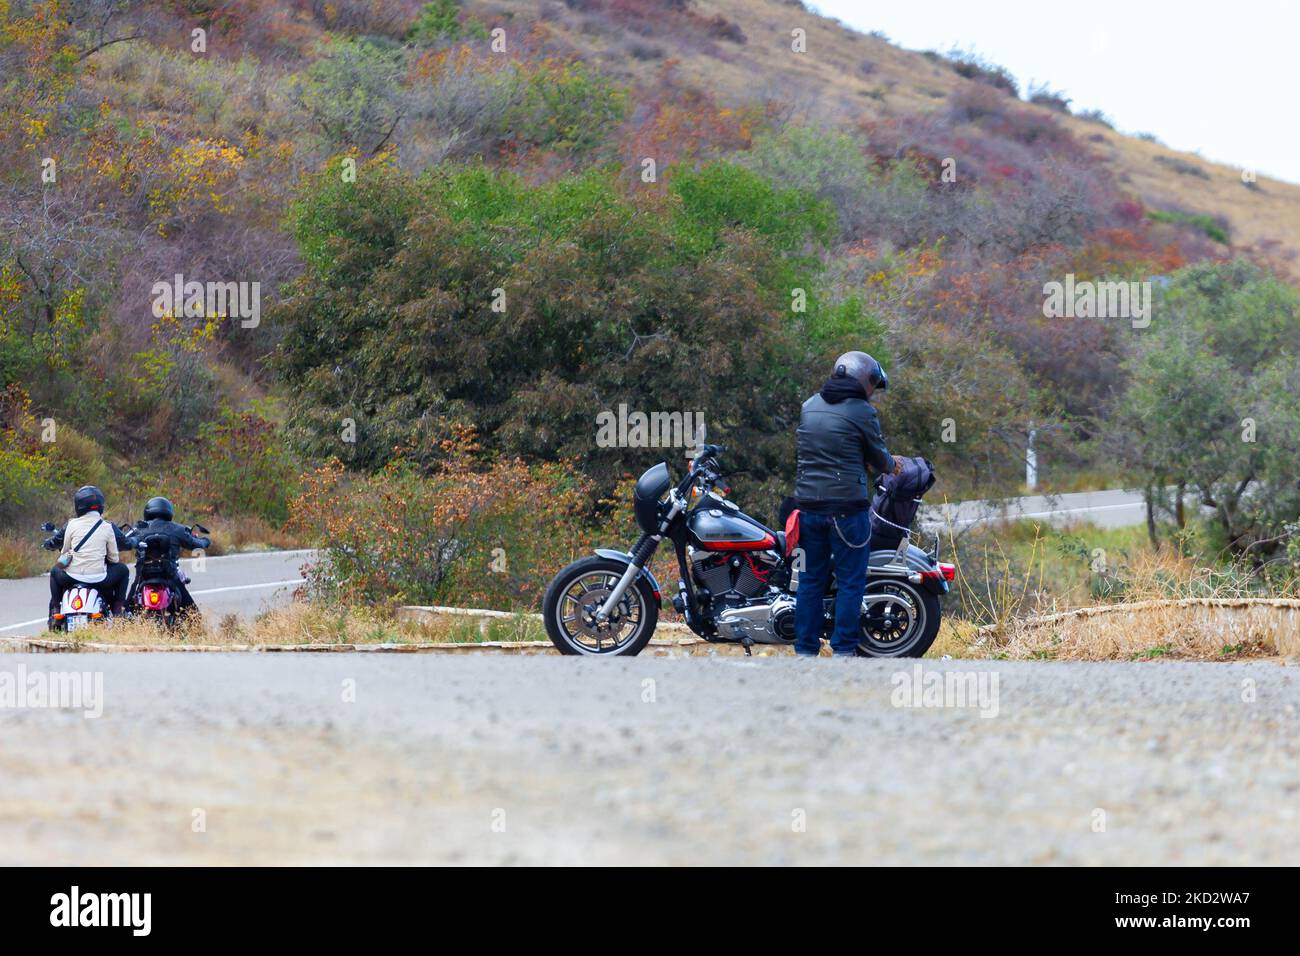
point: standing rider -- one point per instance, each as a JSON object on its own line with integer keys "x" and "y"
{"x": 158, "y": 514}
{"x": 89, "y": 555}
{"x": 838, "y": 439}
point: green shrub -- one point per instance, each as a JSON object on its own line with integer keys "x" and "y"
{"x": 239, "y": 467}
{"x": 440, "y": 20}
{"x": 353, "y": 92}
{"x": 1206, "y": 223}
{"x": 567, "y": 106}
{"x": 671, "y": 303}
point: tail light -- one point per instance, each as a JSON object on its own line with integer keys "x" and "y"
{"x": 156, "y": 599}
{"x": 77, "y": 603}
{"x": 946, "y": 571}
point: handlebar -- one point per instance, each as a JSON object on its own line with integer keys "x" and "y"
{"x": 703, "y": 466}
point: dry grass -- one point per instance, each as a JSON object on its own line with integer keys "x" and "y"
{"x": 303, "y": 623}
{"x": 956, "y": 639}
{"x": 21, "y": 558}
{"x": 1172, "y": 607}
{"x": 233, "y": 535}
{"x": 1191, "y": 628}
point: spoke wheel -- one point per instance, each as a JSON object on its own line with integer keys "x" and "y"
{"x": 577, "y": 594}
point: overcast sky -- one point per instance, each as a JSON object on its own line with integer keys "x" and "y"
{"x": 1209, "y": 76}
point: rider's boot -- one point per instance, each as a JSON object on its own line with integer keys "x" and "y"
{"x": 54, "y": 609}
{"x": 119, "y": 609}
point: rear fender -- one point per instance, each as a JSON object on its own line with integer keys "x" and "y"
{"x": 626, "y": 558}
{"x": 80, "y": 600}
{"x": 886, "y": 563}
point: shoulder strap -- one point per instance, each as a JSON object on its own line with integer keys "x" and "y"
{"x": 87, "y": 535}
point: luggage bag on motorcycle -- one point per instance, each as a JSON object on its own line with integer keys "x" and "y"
{"x": 894, "y": 508}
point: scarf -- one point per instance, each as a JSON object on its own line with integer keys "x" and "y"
{"x": 837, "y": 389}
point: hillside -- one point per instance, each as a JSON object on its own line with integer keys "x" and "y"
{"x": 456, "y": 234}
{"x": 847, "y": 77}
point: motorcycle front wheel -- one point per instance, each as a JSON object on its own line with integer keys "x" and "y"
{"x": 575, "y": 595}
{"x": 898, "y": 620}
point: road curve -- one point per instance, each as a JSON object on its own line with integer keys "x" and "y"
{"x": 306, "y": 759}
{"x": 242, "y": 584}
{"x": 1106, "y": 509}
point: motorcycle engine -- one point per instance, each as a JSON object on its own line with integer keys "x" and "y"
{"x": 766, "y": 622}
{"x": 743, "y": 601}
{"x": 730, "y": 579}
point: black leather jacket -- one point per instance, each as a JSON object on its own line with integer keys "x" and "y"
{"x": 179, "y": 534}
{"x": 836, "y": 443}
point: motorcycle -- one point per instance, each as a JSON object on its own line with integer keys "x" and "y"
{"x": 737, "y": 578}
{"x": 80, "y": 606}
{"x": 154, "y": 594}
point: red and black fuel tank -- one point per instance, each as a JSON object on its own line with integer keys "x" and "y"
{"x": 714, "y": 529}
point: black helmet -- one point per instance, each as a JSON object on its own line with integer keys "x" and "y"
{"x": 88, "y": 498}
{"x": 158, "y": 508}
{"x": 869, "y": 373}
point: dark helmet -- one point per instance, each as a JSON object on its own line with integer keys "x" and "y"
{"x": 158, "y": 508}
{"x": 88, "y": 498}
{"x": 864, "y": 368}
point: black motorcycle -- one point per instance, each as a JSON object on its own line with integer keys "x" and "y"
{"x": 155, "y": 593}
{"x": 737, "y": 578}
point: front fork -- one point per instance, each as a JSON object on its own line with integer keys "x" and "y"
{"x": 641, "y": 555}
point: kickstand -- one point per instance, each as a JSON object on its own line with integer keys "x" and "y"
{"x": 747, "y": 643}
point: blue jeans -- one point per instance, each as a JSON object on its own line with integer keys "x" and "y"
{"x": 824, "y": 547}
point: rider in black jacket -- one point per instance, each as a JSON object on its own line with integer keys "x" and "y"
{"x": 839, "y": 439}
{"x": 158, "y": 514}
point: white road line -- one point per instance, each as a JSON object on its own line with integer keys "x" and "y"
{"x": 250, "y": 587}
{"x": 10, "y": 627}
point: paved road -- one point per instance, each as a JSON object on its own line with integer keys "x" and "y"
{"x": 1106, "y": 509}
{"x": 649, "y": 761}
{"x": 243, "y": 584}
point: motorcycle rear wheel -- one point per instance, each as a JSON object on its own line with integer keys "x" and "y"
{"x": 578, "y": 591}
{"x": 903, "y": 626}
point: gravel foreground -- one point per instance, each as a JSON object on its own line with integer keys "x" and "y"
{"x": 239, "y": 759}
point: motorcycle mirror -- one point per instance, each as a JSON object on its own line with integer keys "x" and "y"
{"x": 47, "y": 526}
{"x": 202, "y": 529}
